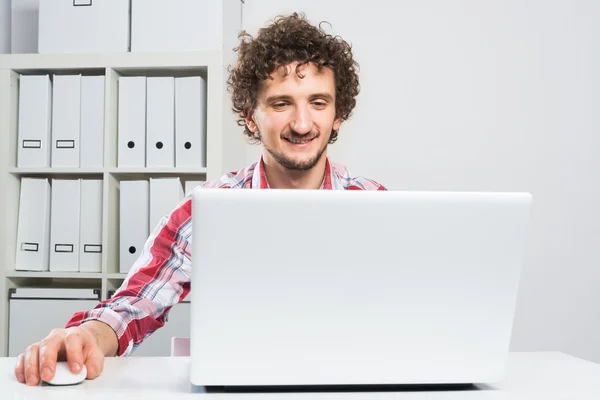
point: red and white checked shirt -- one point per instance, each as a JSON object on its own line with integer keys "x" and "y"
{"x": 160, "y": 278}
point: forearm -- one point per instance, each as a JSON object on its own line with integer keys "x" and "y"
{"x": 105, "y": 336}
{"x": 156, "y": 282}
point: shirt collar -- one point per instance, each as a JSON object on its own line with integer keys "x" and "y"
{"x": 259, "y": 178}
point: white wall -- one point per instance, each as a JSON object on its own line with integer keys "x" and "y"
{"x": 5, "y": 26}
{"x": 499, "y": 95}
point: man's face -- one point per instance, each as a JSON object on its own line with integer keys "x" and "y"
{"x": 295, "y": 116}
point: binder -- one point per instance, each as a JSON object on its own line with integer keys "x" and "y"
{"x": 33, "y": 228}
{"x": 134, "y": 217}
{"x": 92, "y": 122}
{"x": 66, "y": 114}
{"x": 165, "y": 195}
{"x": 64, "y": 225}
{"x": 90, "y": 228}
{"x": 35, "y": 116}
{"x": 160, "y": 122}
{"x": 132, "y": 122}
{"x": 191, "y": 185}
{"x": 190, "y": 122}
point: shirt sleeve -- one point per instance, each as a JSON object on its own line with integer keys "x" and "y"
{"x": 159, "y": 279}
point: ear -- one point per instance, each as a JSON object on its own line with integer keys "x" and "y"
{"x": 250, "y": 123}
{"x": 336, "y": 123}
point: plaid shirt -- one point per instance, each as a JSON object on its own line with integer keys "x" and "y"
{"x": 160, "y": 278}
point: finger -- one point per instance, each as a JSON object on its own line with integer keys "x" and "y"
{"x": 74, "y": 348}
{"x": 92, "y": 355}
{"x": 49, "y": 349}
{"x": 31, "y": 365}
{"x": 94, "y": 361}
{"x": 19, "y": 368}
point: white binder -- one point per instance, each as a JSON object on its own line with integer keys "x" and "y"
{"x": 35, "y": 116}
{"x": 165, "y": 195}
{"x": 191, "y": 185}
{"x": 134, "y": 215}
{"x": 33, "y": 232}
{"x": 90, "y": 228}
{"x": 160, "y": 122}
{"x": 66, "y": 113}
{"x": 64, "y": 225}
{"x": 132, "y": 122}
{"x": 92, "y": 122}
{"x": 190, "y": 122}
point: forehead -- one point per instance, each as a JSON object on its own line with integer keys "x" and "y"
{"x": 286, "y": 81}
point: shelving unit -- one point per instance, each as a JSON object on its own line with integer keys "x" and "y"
{"x": 211, "y": 65}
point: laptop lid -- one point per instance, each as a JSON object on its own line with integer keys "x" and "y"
{"x": 302, "y": 287}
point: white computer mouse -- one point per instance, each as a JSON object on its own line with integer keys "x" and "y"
{"x": 64, "y": 376}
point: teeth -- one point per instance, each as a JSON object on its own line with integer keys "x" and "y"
{"x": 299, "y": 141}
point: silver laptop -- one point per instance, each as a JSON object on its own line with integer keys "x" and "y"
{"x": 302, "y": 287}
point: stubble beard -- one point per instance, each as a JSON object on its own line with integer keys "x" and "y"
{"x": 293, "y": 164}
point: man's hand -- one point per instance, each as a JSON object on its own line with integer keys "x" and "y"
{"x": 79, "y": 346}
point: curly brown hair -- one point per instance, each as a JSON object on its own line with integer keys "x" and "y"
{"x": 290, "y": 39}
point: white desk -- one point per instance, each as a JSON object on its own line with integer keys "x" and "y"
{"x": 530, "y": 376}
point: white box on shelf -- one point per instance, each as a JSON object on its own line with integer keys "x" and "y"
{"x": 160, "y": 122}
{"x": 5, "y": 26}
{"x": 133, "y": 222}
{"x": 90, "y": 231}
{"x": 190, "y": 122}
{"x": 35, "y": 116}
{"x": 34, "y": 311}
{"x": 191, "y": 185}
{"x": 132, "y": 122}
{"x": 181, "y": 25}
{"x": 83, "y": 26}
{"x": 64, "y": 225}
{"x": 66, "y": 117}
{"x": 24, "y": 26}
{"x": 92, "y": 122}
{"x": 33, "y": 231}
{"x": 165, "y": 195}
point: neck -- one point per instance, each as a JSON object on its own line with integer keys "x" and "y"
{"x": 283, "y": 178}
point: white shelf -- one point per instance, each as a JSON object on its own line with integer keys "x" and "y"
{"x": 58, "y": 171}
{"x": 175, "y": 171}
{"x": 53, "y": 275}
{"x": 220, "y": 124}
{"x": 182, "y": 60}
{"x": 90, "y": 171}
{"x": 116, "y": 276}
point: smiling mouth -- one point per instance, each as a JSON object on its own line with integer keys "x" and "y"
{"x": 299, "y": 141}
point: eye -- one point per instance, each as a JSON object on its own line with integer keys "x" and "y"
{"x": 319, "y": 103}
{"x": 279, "y": 104}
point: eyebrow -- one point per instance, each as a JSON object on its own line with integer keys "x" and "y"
{"x": 284, "y": 97}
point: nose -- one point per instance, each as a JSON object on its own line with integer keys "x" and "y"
{"x": 302, "y": 122}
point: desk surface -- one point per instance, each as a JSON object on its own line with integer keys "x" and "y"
{"x": 541, "y": 375}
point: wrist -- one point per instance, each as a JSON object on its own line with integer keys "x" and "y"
{"x": 103, "y": 335}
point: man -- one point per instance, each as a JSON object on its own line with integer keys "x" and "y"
{"x": 292, "y": 87}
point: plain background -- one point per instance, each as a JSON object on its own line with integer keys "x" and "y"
{"x": 494, "y": 95}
